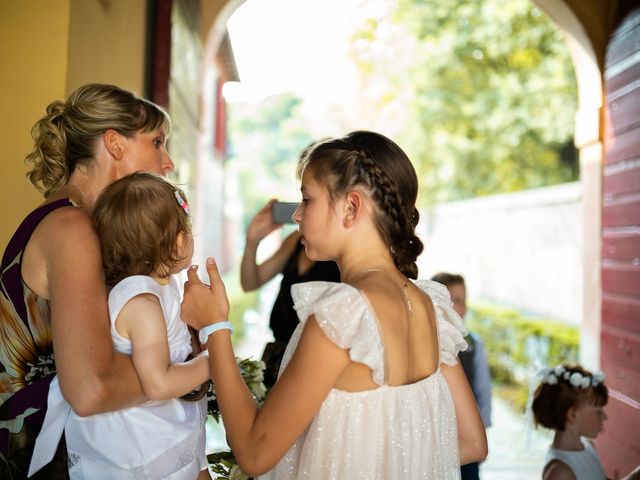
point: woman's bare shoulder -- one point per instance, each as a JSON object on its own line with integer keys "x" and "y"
{"x": 64, "y": 222}
{"x": 65, "y": 238}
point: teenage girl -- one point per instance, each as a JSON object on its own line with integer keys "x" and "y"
{"x": 370, "y": 386}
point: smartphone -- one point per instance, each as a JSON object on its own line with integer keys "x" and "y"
{"x": 282, "y": 212}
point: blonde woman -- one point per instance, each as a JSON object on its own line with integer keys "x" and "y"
{"x": 53, "y": 296}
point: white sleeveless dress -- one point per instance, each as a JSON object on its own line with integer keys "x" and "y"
{"x": 585, "y": 464}
{"x": 155, "y": 440}
{"x": 392, "y": 432}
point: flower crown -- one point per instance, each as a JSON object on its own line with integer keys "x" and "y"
{"x": 551, "y": 376}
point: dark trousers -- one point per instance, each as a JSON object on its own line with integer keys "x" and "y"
{"x": 470, "y": 471}
{"x": 17, "y": 466}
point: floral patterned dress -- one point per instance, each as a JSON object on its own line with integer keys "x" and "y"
{"x": 27, "y": 363}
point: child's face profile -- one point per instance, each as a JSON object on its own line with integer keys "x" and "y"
{"x": 589, "y": 420}
{"x": 314, "y": 216}
{"x": 184, "y": 243}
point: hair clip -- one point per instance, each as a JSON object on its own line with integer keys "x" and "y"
{"x": 182, "y": 202}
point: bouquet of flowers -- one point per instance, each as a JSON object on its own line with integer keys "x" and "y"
{"x": 223, "y": 464}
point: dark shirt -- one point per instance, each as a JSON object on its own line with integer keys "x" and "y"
{"x": 284, "y": 319}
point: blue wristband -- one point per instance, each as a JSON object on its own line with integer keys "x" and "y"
{"x": 204, "y": 333}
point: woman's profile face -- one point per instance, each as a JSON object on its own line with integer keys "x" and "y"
{"x": 146, "y": 151}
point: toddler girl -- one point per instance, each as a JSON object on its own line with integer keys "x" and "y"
{"x": 143, "y": 224}
{"x": 369, "y": 387}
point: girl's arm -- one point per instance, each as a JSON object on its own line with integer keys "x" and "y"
{"x": 557, "y": 470}
{"x": 252, "y": 275}
{"x": 142, "y": 321}
{"x": 261, "y": 436}
{"x": 93, "y": 378}
{"x": 472, "y": 438}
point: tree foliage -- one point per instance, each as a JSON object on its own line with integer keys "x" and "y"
{"x": 266, "y": 140}
{"x": 487, "y": 92}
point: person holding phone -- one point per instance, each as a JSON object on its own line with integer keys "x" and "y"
{"x": 290, "y": 260}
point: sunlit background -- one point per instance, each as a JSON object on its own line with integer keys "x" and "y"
{"x": 482, "y": 96}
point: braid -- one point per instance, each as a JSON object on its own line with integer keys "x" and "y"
{"x": 378, "y": 164}
{"x": 384, "y": 190}
{"x": 400, "y": 233}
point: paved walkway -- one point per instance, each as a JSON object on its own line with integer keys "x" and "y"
{"x": 509, "y": 458}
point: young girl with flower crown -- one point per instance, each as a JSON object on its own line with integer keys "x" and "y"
{"x": 143, "y": 224}
{"x": 571, "y": 400}
{"x": 370, "y": 387}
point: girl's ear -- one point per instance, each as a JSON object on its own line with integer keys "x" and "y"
{"x": 113, "y": 142}
{"x": 353, "y": 208}
{"x": 571, "y": 414}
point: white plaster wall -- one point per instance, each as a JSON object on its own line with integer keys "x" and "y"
{"x": 523, "y": 249}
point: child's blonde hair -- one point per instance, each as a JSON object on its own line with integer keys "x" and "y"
{"x": 138, "y": 219}
{"x": 565, "y": 387}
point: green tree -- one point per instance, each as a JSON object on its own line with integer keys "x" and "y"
{"x": 488, "y": 90}
{"x": 266, "y": 140}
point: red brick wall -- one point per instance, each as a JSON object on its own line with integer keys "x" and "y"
{"x": 619, "y": 445}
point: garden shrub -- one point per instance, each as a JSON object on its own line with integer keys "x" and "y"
{"x": 517, "y": 345}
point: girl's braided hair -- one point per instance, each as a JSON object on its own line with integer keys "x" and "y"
{"x": 374, "y": 162}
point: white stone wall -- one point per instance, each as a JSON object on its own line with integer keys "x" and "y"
{"x": 522, "y": 249}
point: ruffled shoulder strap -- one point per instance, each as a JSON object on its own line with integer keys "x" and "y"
{"x": 451, "y": 329}
{"x": 131, "y": 287}
{"x": 346, "y": 318}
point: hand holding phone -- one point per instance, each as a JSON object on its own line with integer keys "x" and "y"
{"x": 282, "y": 212}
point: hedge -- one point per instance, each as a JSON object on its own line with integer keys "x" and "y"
{"x": 516, "y": 345}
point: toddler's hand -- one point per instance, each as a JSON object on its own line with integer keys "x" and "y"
{"x": 203, "y": 304}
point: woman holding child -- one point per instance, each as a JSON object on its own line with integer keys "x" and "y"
{"x": 53, "y": 296}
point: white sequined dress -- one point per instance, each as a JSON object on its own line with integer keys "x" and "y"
{"x": 393, "y": 432}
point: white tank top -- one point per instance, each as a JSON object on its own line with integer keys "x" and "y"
{"x": 585, "y": 464}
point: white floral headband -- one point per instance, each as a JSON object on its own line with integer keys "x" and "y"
{"x": 551, "y": 376}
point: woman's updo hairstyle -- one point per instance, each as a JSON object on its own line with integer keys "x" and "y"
{"x": 68, "y": 134}
{"x": 375, "y": 163}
